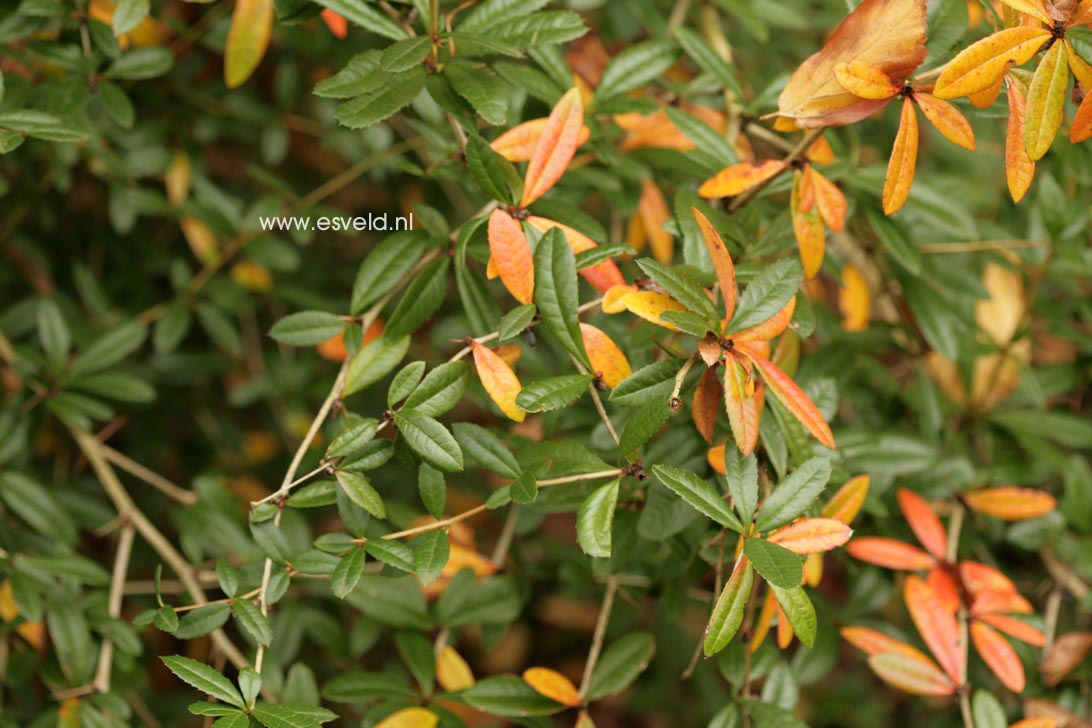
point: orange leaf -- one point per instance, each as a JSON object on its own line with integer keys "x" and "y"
{"x": 846, "y": 503}
{"x": 854, "y": 299}
{"x": 247, "y": 39}
{"x": 873, "y": 642}
{"x": 865, "y": 80}
{"x": 830, "y": 201}
{"x": 452, "y": 672}
{"x": 1019, "y": 167}
{"x": 765, "y": 621}
{"x": 650, "y": 304}
{"x": 607, "y": 359}
{"x": 886, "y": 34}
{"x": 706, "y": 403}
{"x": 947, "y": 119}
{"x": 904, "y": 158}
{"x": 555, "y": 147}
{"x": 1038, "y": 722}
{"x": 791, "y": 396}
{"x": 518, "y": 143}
{"x": 603, "y": 276}
{"x": 1030, "y": 7}
{"x": 813, "y": 569}
{"x": 978, "y": 577}
{"x": 773, "y": 326}
{"x": 998, "y": 655}
{"x": 553, "y": 685}
{"x": 820, "y": 152}
{"x": 410, "y": 718}
{"x": 807, "y": 225}
{"x": 910, "y": 674}
{"x": 811, "y": 535}
{"x": 1010, "y": 503}
{"x": 739, "y": 178}
{"x": 509, "y": 353}
{"x": 998, "y": 602}
{"x": 946, "y": 588}
{"x": 1083, "y": 14}
{"x": 889, "y": 553}
{"x": 979, "y": 65}
{"x": 715, "y": 458}
{"x": 336, "y": 23}
{"x": 1014, "y": 627}
{"x": 936, "y": 624}
{"x": 654, "y": 213}
{"x": 984, "y": 99}
{"x": 511, "y": 255}
{"x": 499, "y": 380}
{"x": 742, "y": 407}
{"x": 784, "y": 629}
{"x": 722, "y": 262}
{"x": 1046, "y": 102}
{"x": 923, "y": 522}
{"x": 1082, "y": 121}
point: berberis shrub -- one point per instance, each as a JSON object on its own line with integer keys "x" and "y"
{"x": 474, "y": 363}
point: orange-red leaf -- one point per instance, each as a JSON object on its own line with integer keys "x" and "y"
{"x": 337, "y": 24}
{"x": 854, "y": 299}
{"x": 904, "y": 159}
{"x": 820, "y": 152}
{"x": 865, "y": 80}
{"x": 946, "y": 588}
{"x": 807, "y": 225}
{"x": 722, "y": 262}
{"x": 947, "y": 119}
{"x": 739, "y": 178}
{"x": 791, "y": 396}
{"x": 1046, "y": 102}
{"x": 845, "y": 504}
{"x": 830, "y": 201}
{"x": 1019, "y": 167}
{"x": 1037, "y": 722}
{"x": 1082, "y": 121}
{"x": 247, "y": 39}
{"x": 1011, "y": 503}
{"x": 555, "y": 147}
{"x": 811, "y": 535}
{"x": 889, "y": 553}
{"x": 886, "y": 34}
{"x": 765, "y": 621}
{"x": 654, "y": 213}
{"x": 511, "y": 256}
{"x": 978, "y": 577}
{"x": 873, "y": 642}
{"x": 784, "y": 629}
{"x": 768, "y": 329}
{"x": 706, "y": 403}
{"x": 936, "y": 624}
{"x": 1014, "y": 627}
{"x": 553, "y": 685}
{"x": 998, "y": 655}
{"x": 923, "y": 522}
{"x": 979, "y": 65}
{"x": 911, "y": 674}
{"x": 606, "y": 358}
{"x": 650, "y": 304}
{"x": 499, "y": 380}
{"x": 998, "y": 602}
{"x": 518, "y": 143}
{"x": 742, "y": 407}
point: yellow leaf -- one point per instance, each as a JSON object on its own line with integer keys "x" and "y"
{"x": 452, "y": 672}
{"x": 555, "y": 147}
{"x": 1082, "y": 69}
{"x": 741, "y": 404}
{"x": 553, "y": 685}
{"x": 1034, "y": 8}
{"x": 865, "y": 80}
{"x": 1019, "y": 167}
{"x": 739, "y": 178}
{"x": 947, "y": 119}
{"x": 248, "y": 37}
{"x": 511, "y": 255}
{"x": 252, "y": 276}
{"x": 984, "y": 99}
{"x": 177, "y": 178}
{"x": 904, "y": 158}
{"x": 499, "y": 380}
{"x": 854, "y": 299}
{"x": 820, "y": 152}
{"x": 654, "y": 213}
{"x": 1046, "y": 102}
{"x": 612, "y": 299}
{"x": 846, "y": 503}
{"x": 813, "y": 569}
{"x": 1000, "y": 314}
{"x": 979, "y": 65}
{"x": 650, "y": 304}
{"x": 765, "y": 621}
{"x": 606, "y": 358}
{"x": 410, "y": 718}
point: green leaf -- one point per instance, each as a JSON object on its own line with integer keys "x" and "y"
{"x": 493, "y": 173}
{"x": 441, "y": 389}
{"x": 488, "y": 449}
{"x": 430, "y": 554}
{"x": 375, "y": 361}
{"x": 432, "y": 488}
{"x": 698, "y": 493}
{"x": 468, "y": 601}
{"x": 53, "y": 332}
{"x": 895, "y": 241}
{"x": 366, "y": 16}
{"x": 651, "y": 382}
{"x": 539, "y": 29}
{"x": 776, "y": 564}
{"x": 204, "y": 678}
{"x": 361, "y": 492}
{"x": 620, "y": 664}
{"x": 307, "y": 328}
{"x": 405, "y": 54}
{"x": 794, "y": 494}
{"x": 645, "y": 422}
{"x": 482, "y": 88}
{"x": 430, "y": 440}
{"x": 556, "y": 292}
{"x": 420, "y": 300}
{"x": 253, "y": 621}
{"x": 767, "y": 294}
{"x": 684, "y": 289}
{"x": 201, "y": 621}
{"x": 34, "y": 503}
{"x": 283, "y": 715}
{"x": 71, "y": 638}
{"x": 546, "y": 395}
{"x": 128, "y": 14}
{"x": 348, "y": 572}
{"x": 490, "y": 13}
{"x": 108, "y": 349}
{"x": 596, "y": 518}
{"x": 395, "y": 553}
{"x": 600, "y": 253}
{"x": 707, "y": 59}
{"x": 509, "y": 697}
{"x": 516, "y": 321}
{"x": 525, "y": 488}
{"x": 728, "y": 612}
{"x": 357, "y": 686}
{"x": 742, "y": 475}
{"x": 935, "y": 316}
{"x": 404, "y": 382}
{"x": 141, "y": 63}
{"x": 373, "y": 107}
{"x": 385, "y": 266}
{"x": 353, "y": 440}
{"x": 987, "y": 711}
{"x": 799, "y": 611}
{"x": 635, "y": 66}
{"x": 417, "y": 653}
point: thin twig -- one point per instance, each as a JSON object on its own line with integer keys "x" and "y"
{"x": 157, "y": 481}
{"x": 597, "y": 637}
{"x": 113, "y": 608}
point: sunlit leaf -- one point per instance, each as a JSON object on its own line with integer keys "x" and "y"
{"x": 811, "y": 535}
{"x": 865, "y": 81}
{"x": 739, "y": 178}
{"x": 553, "y": 685}
{"x": 947, "y": 119}
{"x": 981, "y": 64}
{"x": 499, "y": 380}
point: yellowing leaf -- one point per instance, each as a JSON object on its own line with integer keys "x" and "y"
{"x": 741, "y": 405}
{"x": 248, "y": 37}
{"x": 654, "y": 213}
{"x": 811, "y": 535}
{"x": 846, "y": 503}
{"x": 979, "y": 65}
{"x": 650, "y": 304}
{"x": 1019, "y": 167}
{"x": 889, "y": 553}
{"x": 984, "y": 99}
{"x": 607, "y": 359}
{"x": 947, "y": 119}
{"x": 555, "y": 147}
{"x": 1011, "y": 503}
{"x": 177, "y": 178}
{"x": 452, "y": 672}
{"x": 499, "y": 380}
{"x": 603, "y": 276}
{"x": 888, "y": 35}
{"x": 910, "y": 674}
{"x": 784, "y": 629}
{"x": 813, "y": 569}
{"x": 518, "y": 143}
{"x": 1082, "y": 121}
{"x": 722, "y": 262}
{"x": 998, "y": 655}
{"x": 715, "y": 458}
{"x": 923, "y": 521}
{"x": 791, "y": 396}
{"x": 904, "y": 158}
{"x": 511, "y": 255}
{"x": 936, "y": 624}
{"x": 865, "y": 81}
{"x": 765, "y": 621}
{"x": 410, "y": 718}
{"x": 739, "y": 178}
{"x": 553, "y": 685}
{"x": 807, "y": 225}
{"x": 1046, "y": 102}
{"x": 854, "y": 299}
{"x": 830, "y": 201}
